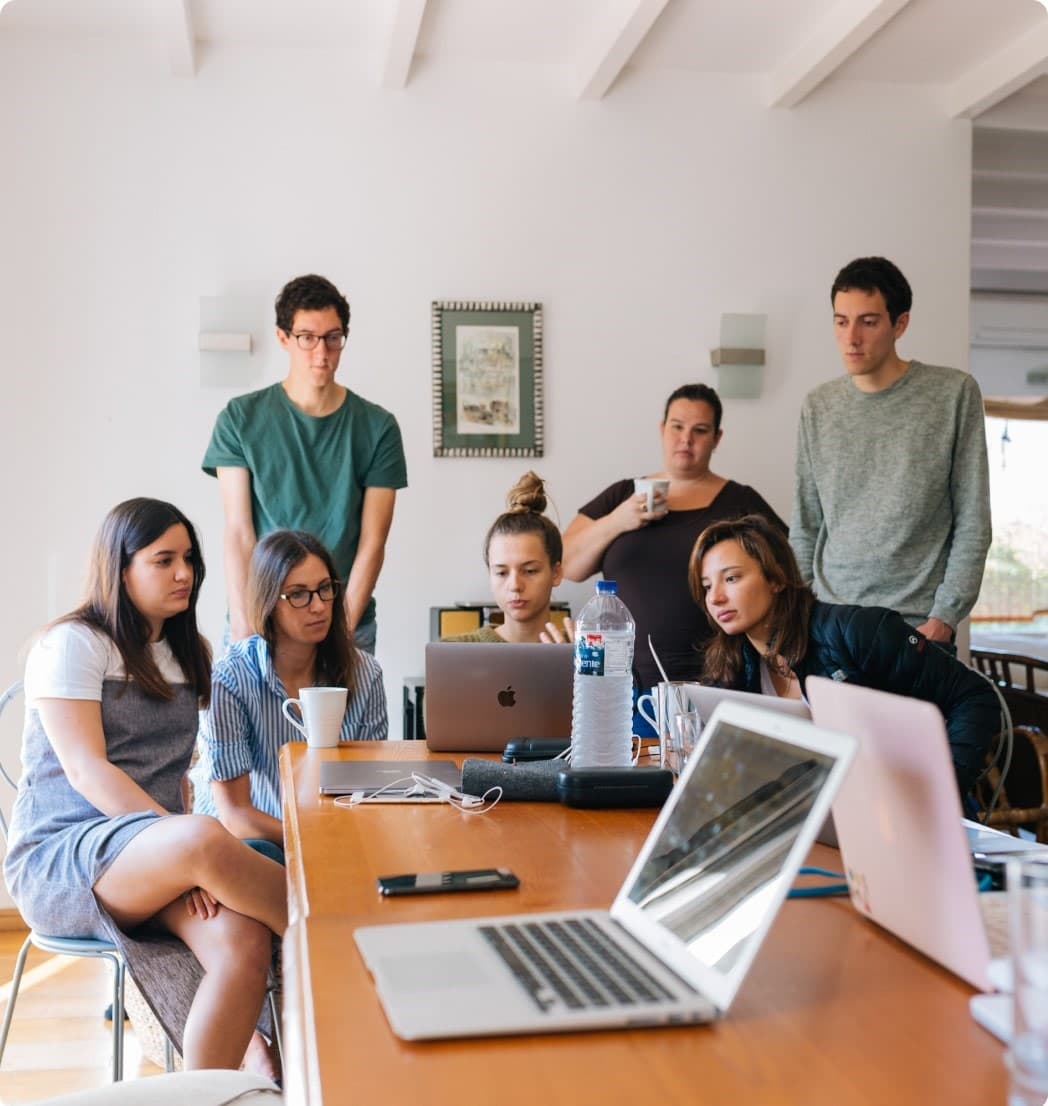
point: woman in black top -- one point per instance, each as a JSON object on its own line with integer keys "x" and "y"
{"x": 771, "y": 634}
{"x": 647, "y": 553}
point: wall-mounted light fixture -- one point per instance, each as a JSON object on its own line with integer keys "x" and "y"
{"x": 739, "y": 360}
{"x": 228, "y": 328}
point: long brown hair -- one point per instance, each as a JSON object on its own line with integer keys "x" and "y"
{"x": 791, "y": 604}
{"x": 274, "y": 557}
{"x": 129, "y": 527}
{"x": 526, "y": 502}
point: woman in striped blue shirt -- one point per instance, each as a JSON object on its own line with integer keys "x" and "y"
{"x": 300, "y": 640}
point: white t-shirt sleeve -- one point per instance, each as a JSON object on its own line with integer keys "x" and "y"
{"x": 71, "y": 661}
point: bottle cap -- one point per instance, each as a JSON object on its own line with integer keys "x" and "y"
{"x": 607, "y": 587}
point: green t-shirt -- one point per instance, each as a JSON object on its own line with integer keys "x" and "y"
{"x": 309, "y": 473}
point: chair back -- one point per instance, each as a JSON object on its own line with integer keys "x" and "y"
{"x": 1017, "y": 677}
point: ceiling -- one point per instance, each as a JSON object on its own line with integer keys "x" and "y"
{"x": 985, "y": 60}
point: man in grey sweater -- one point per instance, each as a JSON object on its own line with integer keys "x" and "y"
{"x": 891, "y": 502}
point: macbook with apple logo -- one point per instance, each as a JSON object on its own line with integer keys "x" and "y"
{"x": 479, "y": 696}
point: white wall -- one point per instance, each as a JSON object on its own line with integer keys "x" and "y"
{"x": 127, "y": 194}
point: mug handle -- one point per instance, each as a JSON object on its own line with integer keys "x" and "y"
{"x": 288, "y": 703}
{"x": 649, "y": 697}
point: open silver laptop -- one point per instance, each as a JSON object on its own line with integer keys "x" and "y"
{"x": 905, "y": 848}
{"x": 706, "y": 700}
{"x": 685, "y": 925}
{"x": 479, "y": 696}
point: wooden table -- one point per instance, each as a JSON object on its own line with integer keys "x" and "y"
{"x": 834, "y": 1009}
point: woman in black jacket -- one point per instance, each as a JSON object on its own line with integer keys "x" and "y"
{"x": 771, "y": 634}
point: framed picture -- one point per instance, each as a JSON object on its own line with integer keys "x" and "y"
{"x": 487, "y": 379}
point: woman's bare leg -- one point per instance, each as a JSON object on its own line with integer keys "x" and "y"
{"x": 262, "y": 1058}
{"x": 183, "y": 851}
{"x": 235, "y": 953}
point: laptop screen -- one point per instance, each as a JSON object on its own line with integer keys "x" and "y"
{"x": 716, "y": 870}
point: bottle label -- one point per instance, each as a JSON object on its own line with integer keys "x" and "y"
{"x": 597, "y": 655}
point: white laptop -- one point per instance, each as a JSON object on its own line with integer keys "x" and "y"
{"x": 481, "y": 695}
{"x": 905, "y": 848}
{"x": 706, "y": 700}
{"x": 685, "y": 925}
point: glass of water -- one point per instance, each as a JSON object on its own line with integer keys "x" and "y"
{"x": 687, "y": 726}
{"x": 1028, "y": 929}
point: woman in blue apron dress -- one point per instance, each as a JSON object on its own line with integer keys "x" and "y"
{"x": 99, "y": 845}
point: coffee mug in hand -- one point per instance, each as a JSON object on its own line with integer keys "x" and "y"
{"x": 322, "y": 710}
{"x": 649, "y": 488}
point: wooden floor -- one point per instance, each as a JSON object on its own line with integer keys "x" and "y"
{"x": 59, "y": 1040}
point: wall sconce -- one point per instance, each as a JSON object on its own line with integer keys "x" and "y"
{"x": 226, "y": 342}
{"x": 739, "y": 360}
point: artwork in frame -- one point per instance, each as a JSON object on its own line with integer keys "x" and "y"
{"x": 487, "y": 379}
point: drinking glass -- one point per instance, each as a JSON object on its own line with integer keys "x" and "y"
{"x": 1028, "y": 928}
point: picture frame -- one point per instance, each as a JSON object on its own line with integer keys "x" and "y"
{"x": 487, "y": 379}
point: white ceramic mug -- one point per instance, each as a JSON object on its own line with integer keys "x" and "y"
{"x": 649, "y": 488}
{"x": 659, "y": 708}
{"x": 322, "y": 710}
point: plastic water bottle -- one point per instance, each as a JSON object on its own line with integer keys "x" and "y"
{"x": 602, "y": 706}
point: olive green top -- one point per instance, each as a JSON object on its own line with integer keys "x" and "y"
{"x": 487, "y": 634}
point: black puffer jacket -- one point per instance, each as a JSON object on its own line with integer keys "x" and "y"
{"x": 874, "y": 647}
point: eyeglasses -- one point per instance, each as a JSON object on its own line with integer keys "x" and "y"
{"x": 302, "y": 597}
{"x": 335, "y": 340}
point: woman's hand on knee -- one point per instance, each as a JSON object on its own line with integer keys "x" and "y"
{"x": 200, "y": 903}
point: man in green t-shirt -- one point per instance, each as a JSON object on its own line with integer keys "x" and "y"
{"x": 308, "y": 454}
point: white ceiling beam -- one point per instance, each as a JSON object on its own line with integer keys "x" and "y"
{"x": 1024, "y": 59}
{"x": 400, "y": 46}
{"x": 176, "y": 24}
{"x": 614, "y": 42}
{"x": 843, "y": 30}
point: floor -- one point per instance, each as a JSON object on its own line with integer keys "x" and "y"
{"x": 59, "y": 1040}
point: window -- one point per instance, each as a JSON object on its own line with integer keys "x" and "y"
{"x": 1014, "y": 595}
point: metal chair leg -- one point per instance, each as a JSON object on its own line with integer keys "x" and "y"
{"x": 118, "y": 1017}
{"x": 16, "y": 982}
{"x": 276, "y": 1025}
{"x": 169, "y": 1055}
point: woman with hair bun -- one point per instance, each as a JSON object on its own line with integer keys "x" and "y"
{"x": 523, "y": 552}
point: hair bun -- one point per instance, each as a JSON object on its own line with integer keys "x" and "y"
{"x": 528, "y": 494}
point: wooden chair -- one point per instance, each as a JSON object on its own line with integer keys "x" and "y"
{"x": 1021, "y": 803}
{"x": 1014, "y": 674}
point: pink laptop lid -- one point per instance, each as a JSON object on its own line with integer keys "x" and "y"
{"x": 898, "y": 818}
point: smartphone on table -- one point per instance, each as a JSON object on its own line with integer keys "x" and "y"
{"x": 428, "y": 883}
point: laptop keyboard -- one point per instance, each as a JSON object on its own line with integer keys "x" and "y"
{"x": 572, "y": 964}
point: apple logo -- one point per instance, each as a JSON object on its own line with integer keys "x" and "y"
{"x": 508, "y": 697}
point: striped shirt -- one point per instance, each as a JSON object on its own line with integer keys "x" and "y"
{"x": 244, "y": 728}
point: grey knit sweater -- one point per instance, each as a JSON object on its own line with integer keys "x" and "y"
{"x": 891, "y": 502}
